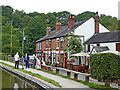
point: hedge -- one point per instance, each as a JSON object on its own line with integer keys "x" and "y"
{"x": 105, "y": 66}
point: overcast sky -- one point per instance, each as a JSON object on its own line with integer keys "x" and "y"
{"x": 108, "y": 7}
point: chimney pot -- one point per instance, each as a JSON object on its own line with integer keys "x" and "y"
{"x": 48, "y": 30}
{"x": 71, "y": 21}
{"x": 58, "y": 25}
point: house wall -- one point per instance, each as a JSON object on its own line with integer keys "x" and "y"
{"x": 53, "y": 50}
{"x": 111, "y": 46}
{"x": 88, "y": 30}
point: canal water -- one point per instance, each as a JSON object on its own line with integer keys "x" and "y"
{"x": 9, "y": 80}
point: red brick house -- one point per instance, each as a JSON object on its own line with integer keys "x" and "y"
{"x": 51, "y": 46}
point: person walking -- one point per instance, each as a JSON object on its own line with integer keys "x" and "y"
{"x": 34, "y": 61}
{"x": 27, "y": 60}
{"x": 38, "y": 63}
{"x": 16, "y": 57}
{"x": 22, "y": 62}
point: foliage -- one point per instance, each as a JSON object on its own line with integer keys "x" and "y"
{"x": 35, "y": 26}
{"x": 105, "y": 66}
{"x": 74, "y": 43}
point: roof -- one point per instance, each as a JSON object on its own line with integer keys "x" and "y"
{"x": 100, "y": 48}
{"x": 105, "y": 37}
{"x": 62, "y": 32}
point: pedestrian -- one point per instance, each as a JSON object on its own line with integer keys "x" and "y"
{"x": 34, "y": 61}
{"x": 27, "y": 60}
{"x": 16, "y": 57}
{"x": 22, "y": 62}
{"x": 38, "y": 63}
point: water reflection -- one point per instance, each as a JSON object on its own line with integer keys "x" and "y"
{"x": 10, "y": 80}
{"x": 16, "y": 84}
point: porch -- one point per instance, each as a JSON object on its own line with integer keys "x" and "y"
{"x": 79, "y": 62}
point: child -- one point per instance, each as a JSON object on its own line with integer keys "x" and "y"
{"x": 22, "y": 62}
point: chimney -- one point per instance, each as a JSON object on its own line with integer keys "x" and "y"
{"x": 58, "y": 25}
{"x": 48, "y": 30}
{"x": 71, "y": 21}
{"x": 96, "y": 23}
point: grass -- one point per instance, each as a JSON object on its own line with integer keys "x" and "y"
{"x": 35, "y": 75}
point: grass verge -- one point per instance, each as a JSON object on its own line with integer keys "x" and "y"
{"x": 35, "y": 75}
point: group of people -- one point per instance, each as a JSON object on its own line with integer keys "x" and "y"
{"x": 35, "y": 61}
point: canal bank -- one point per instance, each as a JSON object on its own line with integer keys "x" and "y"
{"x": 27, "y": 77}
{"x": 65, "y": 83}
{"x": 10, "y": 80}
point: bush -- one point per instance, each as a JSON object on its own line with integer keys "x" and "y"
{"x": 105, "y": 66}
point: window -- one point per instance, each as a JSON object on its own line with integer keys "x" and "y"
{"x": 62, "y": 58}
{"x": 117, "y": 46}
{"x": 49, "y": 43}
{"x": 46, "y": 43}
{"x": 88, "y": 48}
{"x": 57, "y": 58}
{"x": 62, "y": 42}
{"x": 38, "y": 46}
{"x": 57, "y": 42}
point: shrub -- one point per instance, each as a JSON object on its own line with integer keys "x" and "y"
{"x": 105, "y": 66}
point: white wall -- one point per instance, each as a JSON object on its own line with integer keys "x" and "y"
{"x": 102, "y": 29}
{"x": 111, "y": 46}
{"x": 86, "y": 29}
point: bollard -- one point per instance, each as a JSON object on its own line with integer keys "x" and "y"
{"x": 68, "y": 74}
{"x": 86, "y": 78}
{"x": 75, "y": 76}
{"x": 57, "y": 71}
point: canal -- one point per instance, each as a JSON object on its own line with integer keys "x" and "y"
{"x": 10, "y": 80}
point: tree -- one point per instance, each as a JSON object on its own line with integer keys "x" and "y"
{"x": 74, "y": 43}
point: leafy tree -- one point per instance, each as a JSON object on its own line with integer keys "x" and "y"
{"x": 35, "y": 26}
{"x": 74, "y": 43}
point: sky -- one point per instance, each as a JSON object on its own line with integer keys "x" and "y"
{"x": 107, "y": 7}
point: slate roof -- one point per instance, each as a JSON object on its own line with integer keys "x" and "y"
{"x": 62, "y": 32}
{"x": 100, "y": 48}
{"x": 106, "y": 37}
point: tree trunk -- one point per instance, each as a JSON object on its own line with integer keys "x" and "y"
{"x": 107, "y": 83}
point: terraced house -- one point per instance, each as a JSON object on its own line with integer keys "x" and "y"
{"x": 51, "y": 46}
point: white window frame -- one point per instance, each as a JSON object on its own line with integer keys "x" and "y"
{"x": 57, "y": 43}
{"x": 57, "y": 58}
{"x": 40, "y": 46}
{"x": 37, "y": 46}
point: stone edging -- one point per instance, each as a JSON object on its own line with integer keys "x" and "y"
{"x": 28, "y": 77}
